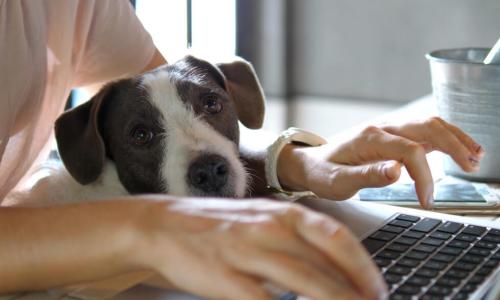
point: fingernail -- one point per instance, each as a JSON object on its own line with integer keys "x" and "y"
{"x": 479, "y": 149}
{"x": 430, "y": 202}
{"x": 474, "y": 161}
{"x": 389, "y": 171}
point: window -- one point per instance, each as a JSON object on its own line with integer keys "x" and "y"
{"x": 206, "y": 28}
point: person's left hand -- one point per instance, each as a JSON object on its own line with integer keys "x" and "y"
{"x": 374, "y": 157}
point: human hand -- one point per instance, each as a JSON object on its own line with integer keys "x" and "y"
{"x": 226, "y": 249}
{"x": 374, "y": 157}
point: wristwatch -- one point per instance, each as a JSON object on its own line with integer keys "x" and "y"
{"x": 289, "y": 136}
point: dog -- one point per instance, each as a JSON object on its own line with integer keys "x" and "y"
{"x": 173, "y": 130}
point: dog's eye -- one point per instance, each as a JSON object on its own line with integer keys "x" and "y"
{"x": 141, "y": 136}
{"x": 212, "y": 104}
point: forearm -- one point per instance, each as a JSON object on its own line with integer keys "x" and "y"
{"x": 54, "y": 246}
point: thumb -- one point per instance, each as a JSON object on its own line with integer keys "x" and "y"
{"x": 376, "y": 174}
{"x": 370, "y": 175}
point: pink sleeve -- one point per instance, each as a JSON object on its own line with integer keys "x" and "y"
{"x": 112, "y": 41}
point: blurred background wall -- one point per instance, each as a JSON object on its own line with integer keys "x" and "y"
{"x": 343, "y": 61}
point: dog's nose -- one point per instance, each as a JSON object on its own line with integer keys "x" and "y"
{"x": 208, "y": 173}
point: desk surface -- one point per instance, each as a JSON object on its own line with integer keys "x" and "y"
{"x": 419, "y": 109}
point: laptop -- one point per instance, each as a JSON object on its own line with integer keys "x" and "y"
{"x": 421, "y": 254}
{"x": 424, "y": 254}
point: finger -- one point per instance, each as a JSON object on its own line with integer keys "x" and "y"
{"x": 238, "y": 286}
{"x": 385, "y": 146}
{"x": 464, "y": 138}
{"x": 285, "y": 239}
{"x": 291, "y": 273}
{"x": 231, "y": 284}
{"x": 345, "y": 251}
{"x": 351, "y": 179}
{"x": 435, "y": 135}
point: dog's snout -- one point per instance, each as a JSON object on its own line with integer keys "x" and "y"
{"x": 208, "y": 173}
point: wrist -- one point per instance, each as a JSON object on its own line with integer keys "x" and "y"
{"x": 291, "y": 168}
{"x": 288, "y": 167}
{"x": 152, "y": 240}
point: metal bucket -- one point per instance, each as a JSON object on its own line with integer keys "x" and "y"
{"x": 468, "y": 95}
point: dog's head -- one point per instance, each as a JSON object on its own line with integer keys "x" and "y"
{"x": 172, "y": 130}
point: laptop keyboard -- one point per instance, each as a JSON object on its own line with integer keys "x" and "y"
{"x": 424, "y": 258}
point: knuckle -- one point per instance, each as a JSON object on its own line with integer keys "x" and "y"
{"x": 370, "y": 130}
{"x": 416, "y": 149}
{"x": 434, "y": 122}
{"x": 294, "y": 210}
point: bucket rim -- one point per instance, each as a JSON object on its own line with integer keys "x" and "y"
{"x": 432, "y": 56}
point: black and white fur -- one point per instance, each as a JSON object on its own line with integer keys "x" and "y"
{"x": 173, "y": 130}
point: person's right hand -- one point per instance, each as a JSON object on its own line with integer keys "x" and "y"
{"x": 227, "y": 249}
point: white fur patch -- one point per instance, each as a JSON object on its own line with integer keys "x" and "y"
{"x": 187, "y": 137}
{"x": 55, "y": 185}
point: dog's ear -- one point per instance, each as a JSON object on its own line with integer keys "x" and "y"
{"x": 240, "y": 81}
{"x": 79, "y": 140}
{"x": 243, "y": 85}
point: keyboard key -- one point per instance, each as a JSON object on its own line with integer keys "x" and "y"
{"x": 491, "y": 238}
{"x": 382, "y": 262}
{"x": 476, "y": 279}
{"x": 451, "y": 250}
{"x": 414, "y": 234}
{"x": 431, "y": 297}
{"x": 465, "y": 266}
{"x": 473, "y": 259}
{"x": 401, "y": 223}
{"x": 435, "y": 265}
{"x": 458, "y": 244}
{"x": 389, "y": 254}
{"x": 405, "y": 241}
{"x": 486, "y": 245}
{"x": 474, "y": 230}
{"x": 418, "y": 281}
{"x": 440, "y": 235}
{"x": 424, "y": 272}
{"x": 408, "y": 218}
{"x": 392, "y": 229}
{"x": 397, "y": 247}
{"x": 400, "y": 297}
{"x": 426, "y": 225}
{"x": 468, "y": 288}
{"x": 408, "y": 290}
{"x": 417, "y": 255}
{"x": 432, "y": 242}
{"x": 496, "y": 255}
{"x": 450, "y": 227}
{"x": 443, "y": 257}
{"x": 460, "y": 296}
{"x": 455, "y": 273}
{"x": 439, "y": 290}
{"x": 399, "y": 270}
{"x": 494, "y": 232}
{"x": 408, "y": 262}
{"x": 383, "y": 236}
{"x": 492, "y": 263}
{"x": 392, "y": 278}
{"x": 479, "y": 251}
{"x": 448, "y": 281}
{"x": 466, "y": 237}
{"x": 484, "y": 271}
{"x": 372, "y": 245}
{"x": 425, "y": 248}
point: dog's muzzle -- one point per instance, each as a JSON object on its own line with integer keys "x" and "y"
{"x": 209, "y": 174}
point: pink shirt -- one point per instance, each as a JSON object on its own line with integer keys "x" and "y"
{"x": 48, "y": 47}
